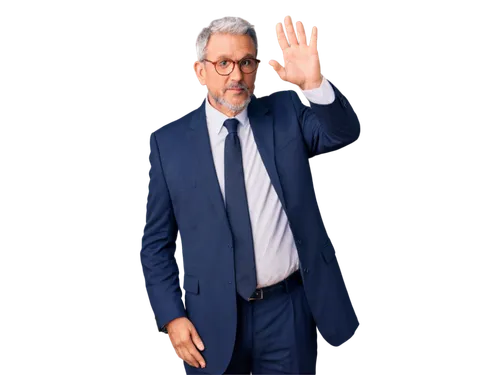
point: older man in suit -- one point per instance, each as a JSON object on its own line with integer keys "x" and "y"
{"x": 233, "y": 177}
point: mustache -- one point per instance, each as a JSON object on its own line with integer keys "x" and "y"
{"x": 242, "y": 86}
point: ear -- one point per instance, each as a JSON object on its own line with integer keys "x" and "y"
{"x": 257, "y": 76}
{"x": 261, "y": 63}
{"x": 199, "y": 69}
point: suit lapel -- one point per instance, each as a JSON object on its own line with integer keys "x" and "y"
{"x": 261, "y": 122}
{"x": 207, "y": 175}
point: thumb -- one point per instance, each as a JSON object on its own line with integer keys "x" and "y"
{"x": 197, "y": 339}
{"x": 276, "y": 67}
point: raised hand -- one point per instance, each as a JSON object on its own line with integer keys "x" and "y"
{"x": 301, "y": 60}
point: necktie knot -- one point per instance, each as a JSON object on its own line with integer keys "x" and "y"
{"x": 231, "y": 125}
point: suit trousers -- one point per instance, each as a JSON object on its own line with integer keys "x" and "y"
{"x": 275, "y": 335}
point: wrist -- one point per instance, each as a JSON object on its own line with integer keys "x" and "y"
{"x": 311, "y": 85}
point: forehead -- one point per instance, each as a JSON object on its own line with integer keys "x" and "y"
{"x": 232, "y": 46}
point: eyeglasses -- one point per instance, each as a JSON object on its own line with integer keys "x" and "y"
{"x": 226, "y": 66}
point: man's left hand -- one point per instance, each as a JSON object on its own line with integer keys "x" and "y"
{"x": 301, "y": 60}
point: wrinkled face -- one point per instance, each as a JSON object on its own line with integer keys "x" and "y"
{"x": 229, "y": 94}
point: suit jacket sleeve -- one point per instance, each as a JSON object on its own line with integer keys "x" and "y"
{"x": 326, "y": 127}
{"x": 158, "y": 246}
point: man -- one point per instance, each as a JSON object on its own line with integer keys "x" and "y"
{"x": 233, "y": 177}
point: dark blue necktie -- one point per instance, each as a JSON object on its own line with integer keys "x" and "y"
{"x": 237, "y": 212}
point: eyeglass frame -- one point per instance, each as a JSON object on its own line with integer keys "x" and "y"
{"x": 234, "y": 64}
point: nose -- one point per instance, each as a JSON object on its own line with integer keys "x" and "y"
{"x": 236, "y": 74}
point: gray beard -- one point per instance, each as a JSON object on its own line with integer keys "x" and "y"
{"x": 231, "y": 107}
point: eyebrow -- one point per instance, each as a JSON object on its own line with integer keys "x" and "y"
{"x": 227, "y": 57}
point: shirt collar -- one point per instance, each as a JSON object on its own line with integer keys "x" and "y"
{"x": 215, "y": 119}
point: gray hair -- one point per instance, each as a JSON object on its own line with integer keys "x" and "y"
{"x": 226, "y": 25}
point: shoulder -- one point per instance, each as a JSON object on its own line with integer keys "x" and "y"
{"x": 276, "y": 97}
{"x": 176, "y": 127}
{"x": 278, "y": 100}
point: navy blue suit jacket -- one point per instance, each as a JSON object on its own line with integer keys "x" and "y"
{"x": 185, "y": 197}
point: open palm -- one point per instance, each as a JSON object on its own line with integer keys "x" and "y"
{"x": 301, "y": 60}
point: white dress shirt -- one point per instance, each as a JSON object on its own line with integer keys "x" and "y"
{"x": 276, "y": 255}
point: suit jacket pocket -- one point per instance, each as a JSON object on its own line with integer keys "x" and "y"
{"x": 191, "y": 284}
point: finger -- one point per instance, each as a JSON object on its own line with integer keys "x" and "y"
{"x": 192, "y": 361}
{"x": 188, "y": 357}
{"x": 314, "y": 38}
{"x": 196, "y": 355}
{"x": 278, "y": 68}
{"x": 181, "y": 353}
{"x": 301, "y": 33}
{"x": 197, "y": 339}
{"x": 290, "y": 32}
{"x": 176, "y": 353}
{"x": 281, "y": 37}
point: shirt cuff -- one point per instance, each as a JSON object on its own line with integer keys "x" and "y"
{"x": 323, "y": 94}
